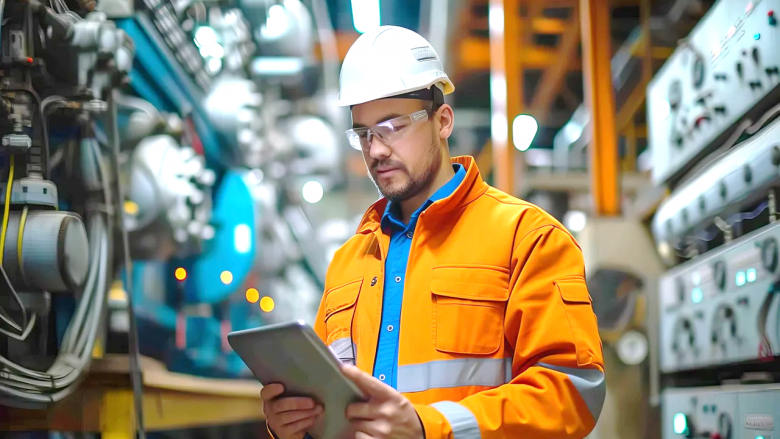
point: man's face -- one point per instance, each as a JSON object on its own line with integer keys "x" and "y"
{"x": 408, "y": 166}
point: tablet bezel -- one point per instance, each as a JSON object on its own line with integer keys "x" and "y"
{"x": 291, "y": 337}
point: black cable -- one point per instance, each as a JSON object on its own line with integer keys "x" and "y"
{"x": 765, "y": 349}
{"x": 135, "y": 367}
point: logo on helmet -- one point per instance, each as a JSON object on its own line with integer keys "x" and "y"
{"x": 424, "y": 54}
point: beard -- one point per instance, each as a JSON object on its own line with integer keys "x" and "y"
{"x": 415, "y": 183}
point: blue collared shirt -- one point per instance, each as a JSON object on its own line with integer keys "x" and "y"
{"x": 386, "y": 364}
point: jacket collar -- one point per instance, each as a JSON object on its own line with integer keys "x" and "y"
{"x": 469, "y": 190}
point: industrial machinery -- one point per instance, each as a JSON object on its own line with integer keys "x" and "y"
{"x": 61, "y": 238}
{"x": 720, "y": 308}
{"x": 727, "y": 69}
{"x": 723, "y": 412}
{"x": 713, "y": 132}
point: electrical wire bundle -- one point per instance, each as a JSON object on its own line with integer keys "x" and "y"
{"x": 25, "y": 387}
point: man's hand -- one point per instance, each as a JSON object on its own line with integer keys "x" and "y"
{"x": 387, "y": 414}
{"x": 288, "y": 418}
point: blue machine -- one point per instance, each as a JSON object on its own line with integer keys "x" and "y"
{"x": 185, "y": 322}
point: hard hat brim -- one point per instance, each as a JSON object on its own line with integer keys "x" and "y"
{"x": 445, "y": 84}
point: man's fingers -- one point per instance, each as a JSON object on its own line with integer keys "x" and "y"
{"x": 372, "y": 428}
{"x": 367, "y": 383}
{"x": 296, "y": 428}
{"x": 361, "y": 410}
{"x": 292, "y": 417}
{"x": 293, "y": 403}
{"x": 271, "y": 391}
{"x": 361, "y": 435}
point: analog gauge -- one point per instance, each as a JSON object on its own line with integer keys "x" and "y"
{"x": 632, "y": 348}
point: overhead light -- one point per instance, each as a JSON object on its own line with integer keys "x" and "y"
{"x": 575, "y": 221}
{"x": 276, "y": 24}
{"x": 365, "y": 15}
{"x": 242, "y": 239}
{"x": 205, "y": 36}
{"x": 226, "y": 277}
{"x": 214, "y": 65}
{"x": 271, "y": 66}
{"x": 312, "y": 191}
{"x": 252, "y": 295}
{"x": 267, "y": 304}
{"x": 498, "y": 127}
{"x": 524, "y": 129}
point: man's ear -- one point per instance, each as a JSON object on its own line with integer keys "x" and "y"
{"x": 446, "y": 118}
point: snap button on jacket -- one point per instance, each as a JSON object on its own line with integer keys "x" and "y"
{"x": 498, "y": 338}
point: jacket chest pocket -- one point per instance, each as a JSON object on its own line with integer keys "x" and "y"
{"x": 468, "y": 309}
{"x": 340, "y": 309}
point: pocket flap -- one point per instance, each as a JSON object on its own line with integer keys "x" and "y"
{"x": 573, "y": 290}
{"x": 341, "y": 298}
{"x": 489, "y": 284}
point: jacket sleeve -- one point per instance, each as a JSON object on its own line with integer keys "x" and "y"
{"x": 557, "y": 387}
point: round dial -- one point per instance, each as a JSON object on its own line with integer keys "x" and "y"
{"x": 632, "y": 348}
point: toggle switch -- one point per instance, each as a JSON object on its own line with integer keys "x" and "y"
{"x": 755, "y": 85}
{"x": 772, "y": 71}
{"x": 739, "y": 70}
{"x": 720, "y": 76}
{"x": 772, "y": 18}
{"x": 720, "y": 110}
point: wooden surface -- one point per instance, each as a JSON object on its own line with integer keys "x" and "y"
{"x": 104, "y": 402}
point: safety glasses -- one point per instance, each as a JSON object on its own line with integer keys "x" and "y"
{"x": 387, "y": 132}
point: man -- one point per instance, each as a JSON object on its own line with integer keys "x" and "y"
{"x": 464, "y": 309}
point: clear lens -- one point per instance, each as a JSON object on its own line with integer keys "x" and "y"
{"x": 388, "y": 132}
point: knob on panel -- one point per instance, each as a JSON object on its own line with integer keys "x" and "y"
{"x": 719, "y": 274}
{"x": 769, "y": 254}
{"x": 724, "y": 427}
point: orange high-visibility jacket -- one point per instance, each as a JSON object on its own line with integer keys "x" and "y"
{"x": 498, "y": 336}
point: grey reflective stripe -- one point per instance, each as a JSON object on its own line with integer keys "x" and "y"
{"x": 490, "y": 372}
{"x": 464, "y": 424}
{"x": 344, "y": 350}
{"x": 589, "y": 382}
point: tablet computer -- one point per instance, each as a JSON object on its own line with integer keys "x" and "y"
{"x": 293, "y": 355}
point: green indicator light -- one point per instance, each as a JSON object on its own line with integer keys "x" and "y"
{"x": 759, "y": 437}
{"x": 755, "y": 37}
{"x": 740, "y": 278}
{"x": 697, "y": 295}
{"x": 752, "y": 275}
{"x": 680, "y": 423}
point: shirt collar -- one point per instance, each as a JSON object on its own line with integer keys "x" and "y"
{"x": 392, "y": 212}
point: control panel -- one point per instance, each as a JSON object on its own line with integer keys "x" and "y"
{"x": 737, "y": 179}
{"x": 726, "y": 412}
{"x": 722, "y": 71}
{"x": 720, "y": 308}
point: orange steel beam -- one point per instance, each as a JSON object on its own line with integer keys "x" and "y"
{"x": 553, "y": 77}
{"x": 600, "y": 100}
{"x": 506, "y": 87}
{"x": 475, "y": 55}
{"x": 536, "y": 25}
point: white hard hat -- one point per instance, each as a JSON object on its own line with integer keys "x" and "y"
{"x": 389, "y": 61}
